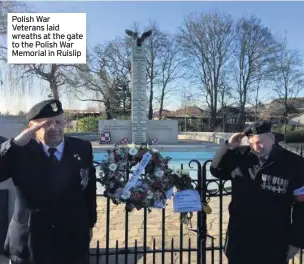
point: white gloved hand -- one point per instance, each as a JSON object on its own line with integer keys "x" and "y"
{"x": 292, "y": 251}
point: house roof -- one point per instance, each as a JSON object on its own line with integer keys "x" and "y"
{"x": 165, "y": 113}
{"x": 228, "y": 110}
{"x": 297, "y": 102}
{"x": 189, "y": 111}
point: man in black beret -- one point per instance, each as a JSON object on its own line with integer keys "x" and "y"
{"x": 266, "y": 224}
{"x": 54, "y": 176}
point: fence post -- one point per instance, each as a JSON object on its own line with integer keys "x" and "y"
{"x": 203, "y": 219}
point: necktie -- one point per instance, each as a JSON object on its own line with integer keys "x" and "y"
{"x": 262, "y": 161}
{"x": 52, "y": 154}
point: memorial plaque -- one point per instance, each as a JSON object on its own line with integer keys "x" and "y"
{"x": 165, "y": 130}
{"x": 118, "y": 129}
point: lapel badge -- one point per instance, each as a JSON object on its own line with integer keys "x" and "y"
{"x": 54, "y": 107}
{"x": 76, "y": 156}
{"x": 254, "y": 131}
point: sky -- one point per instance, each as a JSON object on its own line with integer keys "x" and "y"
{"x": 107, "y": 20}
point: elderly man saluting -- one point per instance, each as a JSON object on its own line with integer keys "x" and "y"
{"x": 266, "y": 224}
{"x": 54, "y": 176}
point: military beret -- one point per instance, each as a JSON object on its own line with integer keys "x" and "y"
{"x": 259, "y": 127}
{"x": 45, "y": 109}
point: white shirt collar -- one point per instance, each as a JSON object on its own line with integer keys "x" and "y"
{"x": 59, "y": 147}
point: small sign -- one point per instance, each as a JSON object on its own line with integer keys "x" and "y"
{"x": 187, "y": 201}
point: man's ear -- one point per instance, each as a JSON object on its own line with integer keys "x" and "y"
{"x": 272, "y": 136}
{"x": 31, "y": 124}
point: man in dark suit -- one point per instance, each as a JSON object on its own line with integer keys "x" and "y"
{"x": 54, "y": 176}
{"x": 266, "y": 224}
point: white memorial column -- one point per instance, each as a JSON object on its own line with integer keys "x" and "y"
{"x": 139, "y": 96}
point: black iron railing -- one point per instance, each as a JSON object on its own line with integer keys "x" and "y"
{"x": 202, "y": 246}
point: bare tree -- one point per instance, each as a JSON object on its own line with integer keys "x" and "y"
{"x": 254, "y": 97}
{"x": 5, "y": 8}
{"x": 288, "y": 77}
{"x": 253, "y": 52}
{"x": 225, "y": 97}
{"x": 186, "y": 101}
{"x": 155, "y": 45}
{"x": 257, "y": 99}
{"x": 206, "y": 41}
{"x": 57, "y": 75}
{"x": 106, "y": 77}
{"x": 170, "y": 70}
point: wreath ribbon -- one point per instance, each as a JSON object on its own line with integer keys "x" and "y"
{"x": 139, "y": 170}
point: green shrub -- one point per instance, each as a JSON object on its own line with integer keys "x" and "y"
{"x": 281, "y": 128}
{"x": 88, "y": 124}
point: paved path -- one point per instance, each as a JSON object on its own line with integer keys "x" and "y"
{"x": 173, "y": 231}
{"x": 154, "y": 233}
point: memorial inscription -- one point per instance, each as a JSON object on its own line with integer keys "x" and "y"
{"x": 139, "y": 98}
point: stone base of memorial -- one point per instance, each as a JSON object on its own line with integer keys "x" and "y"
{"x": 166, "y": 131}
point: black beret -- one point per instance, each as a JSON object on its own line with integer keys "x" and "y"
{"x": 278, "y": 137}
{"x": 259, "y": 127}
{"x": 45, "y": 109}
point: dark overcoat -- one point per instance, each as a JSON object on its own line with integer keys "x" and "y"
{"x": 55, "y": 203}
{"x": 265, "y": 216}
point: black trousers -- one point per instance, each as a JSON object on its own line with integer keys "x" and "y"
{"x": 241, "y": 250}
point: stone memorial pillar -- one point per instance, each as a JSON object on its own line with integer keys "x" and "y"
{"x": 139, "y": 101}
{"x": 139, "y": 96}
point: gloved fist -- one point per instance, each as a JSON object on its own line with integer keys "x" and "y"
{"x": 291, "y": 252}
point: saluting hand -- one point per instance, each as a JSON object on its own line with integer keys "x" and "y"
{"x": 235, "y": 140}
{"x": 27, "y": 134}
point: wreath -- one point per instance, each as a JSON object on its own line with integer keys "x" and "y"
{"x": 154, "y": 185}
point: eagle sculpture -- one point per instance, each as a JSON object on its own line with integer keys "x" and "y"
{"x": 139, "y": 40}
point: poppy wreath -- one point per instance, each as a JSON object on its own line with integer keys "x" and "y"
{"x": 154, "y": 186}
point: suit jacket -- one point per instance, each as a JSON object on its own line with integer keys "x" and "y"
{"x": 261, "y": 224}
{"x": 55, "y": 203}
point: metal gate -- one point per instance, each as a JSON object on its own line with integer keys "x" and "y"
{"x": 184, "y": 244}
{"x": 200, "y": 242}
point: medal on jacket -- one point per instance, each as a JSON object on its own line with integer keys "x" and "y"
{"x": 207, "y": 209}
{"x": 84, "y": 174}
